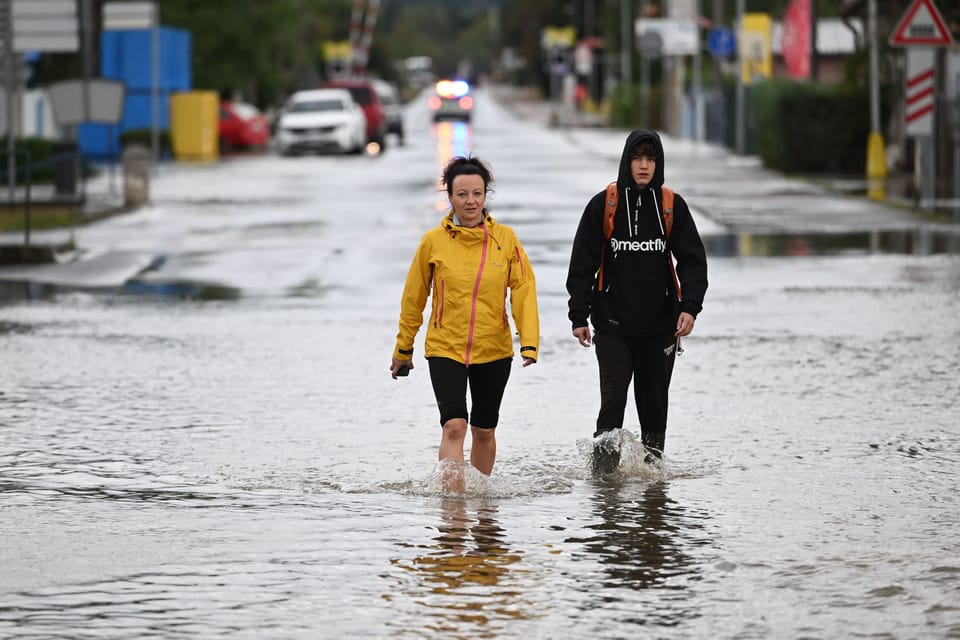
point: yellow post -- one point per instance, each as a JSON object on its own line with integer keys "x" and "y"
{"x": 876, "y": 167}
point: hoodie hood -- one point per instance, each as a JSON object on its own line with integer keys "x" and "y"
{"x": 625, "y": 178}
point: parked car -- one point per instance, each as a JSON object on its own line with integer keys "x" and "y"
{"x": 242, "y": 126}
{"x": 452, "y": 101}
{"x": 366, "y": 96}
{"x": 321, "y": 120}
{"x": 392, "y": 108}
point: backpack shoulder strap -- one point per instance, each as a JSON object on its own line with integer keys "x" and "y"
{"x": 667, "y": 214}
{"x": 609, "y": 211}
{"x": 667, "y": 210}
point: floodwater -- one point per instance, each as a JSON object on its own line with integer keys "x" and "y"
{"x": 216, "y": 448}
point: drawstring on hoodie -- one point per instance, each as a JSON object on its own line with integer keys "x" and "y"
{"x": 634, "y": 225}
{"x": 659, "y": 214}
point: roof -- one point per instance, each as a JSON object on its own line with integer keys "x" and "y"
{"x": 833, "y": 36}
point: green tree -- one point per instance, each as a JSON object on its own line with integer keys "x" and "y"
{"x": 260, "y": 50}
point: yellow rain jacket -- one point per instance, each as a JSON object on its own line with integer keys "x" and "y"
{"x": 469, "y": 270}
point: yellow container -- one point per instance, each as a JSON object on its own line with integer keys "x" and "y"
{"x": 194, "y": 125}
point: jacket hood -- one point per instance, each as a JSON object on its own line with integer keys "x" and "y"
{"x": 624, "y": 178}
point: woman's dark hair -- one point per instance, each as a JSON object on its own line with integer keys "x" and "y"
{"x": 469, "y": 166}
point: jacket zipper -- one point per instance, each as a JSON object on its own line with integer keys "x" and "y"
{"x": 476, "y": 293}
{"x": 440, "y": 309}
{"x": 523, "y": 270}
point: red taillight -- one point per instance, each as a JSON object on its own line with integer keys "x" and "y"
{"x": 434, "y": 102}
{"x": 466, "y": 102}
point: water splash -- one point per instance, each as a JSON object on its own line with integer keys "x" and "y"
{"x": 634, "y": 459}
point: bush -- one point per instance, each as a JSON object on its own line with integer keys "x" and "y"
{"x": 626, "y": 108}
{"x": 35, "y": 157}
{"x": 803, "y": 127}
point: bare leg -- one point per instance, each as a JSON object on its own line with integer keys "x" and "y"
{"x": 483, "y": 451}
{"x": 451, "y": 448}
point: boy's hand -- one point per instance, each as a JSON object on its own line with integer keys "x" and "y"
{"x": 583, "y": 335}
{"x": 684, "y": 324}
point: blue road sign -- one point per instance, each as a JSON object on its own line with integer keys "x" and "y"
{"x": 721, "y": 42}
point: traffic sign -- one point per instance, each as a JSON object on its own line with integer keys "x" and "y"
{"x": 722, "y": 43}
{"x": 41, "y": 25}
{"x": 921, "y": 25}
{"x": 677, "y": 37}
{"x": 919, "y": 94}
{"x": 650, "y": 44}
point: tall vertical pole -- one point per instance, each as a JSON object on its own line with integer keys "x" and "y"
{"x": 155, "y": 86}
{"x": 814, "y": 17}
{"x": 626, "y": 47}
{"x": 876, "y": 160}
{"x": 741, "y": 92}
{"x": 356, "y": 33}
{"x": 698, "y": 107}
{"x": 9, "y": 71}
{"x": 86, "y": 29}
{"x": 588, "y": 31}
{"x": 956, "y": 147}
{"x": 644, "y": 78}
{"x": 369, "y": 22}
{"x": 86, "y": 17}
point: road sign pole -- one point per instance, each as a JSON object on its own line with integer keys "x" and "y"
{"x": 922, "y": 30}
{"x": 955, "y": 119}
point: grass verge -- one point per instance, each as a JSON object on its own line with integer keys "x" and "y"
{"x": 41, "y": 217}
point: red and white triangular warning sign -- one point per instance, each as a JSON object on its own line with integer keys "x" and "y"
{"x": 921, "y": 25}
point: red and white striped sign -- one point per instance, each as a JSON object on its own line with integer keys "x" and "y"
{"x": 920, "y": 92}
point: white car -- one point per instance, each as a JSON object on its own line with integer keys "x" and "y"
{"x": 321, "y": 120}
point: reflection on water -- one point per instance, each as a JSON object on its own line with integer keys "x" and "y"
{"x": 453, "y": 139}
{"x": 462, "y": 583}
{"x": 182, "y": 289}
{"x": 921, "y": 241}
{"x": 641, "y": 543}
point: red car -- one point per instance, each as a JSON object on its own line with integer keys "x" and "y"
{"x": 242, "y": 126}
{"x": 364, "y": 94}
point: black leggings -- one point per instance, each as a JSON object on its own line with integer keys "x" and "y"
{"x": 487, "y": 383}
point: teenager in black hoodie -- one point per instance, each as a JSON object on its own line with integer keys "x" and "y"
{"x": 638, "y": 318}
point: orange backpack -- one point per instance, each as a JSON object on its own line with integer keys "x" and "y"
{"x": 610, "y": 208}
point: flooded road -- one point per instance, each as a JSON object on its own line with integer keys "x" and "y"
{"x": 214, "y": 447}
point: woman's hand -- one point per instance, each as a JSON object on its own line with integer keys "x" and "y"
{"x": 528, "y": 361}
{"x": 396, "y": 365}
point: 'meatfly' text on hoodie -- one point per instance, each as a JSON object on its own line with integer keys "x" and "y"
{"x": 656, "y": 245}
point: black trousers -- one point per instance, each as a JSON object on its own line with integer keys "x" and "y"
{"x": 487, "y": 384}
{"x": 648, "y": 362}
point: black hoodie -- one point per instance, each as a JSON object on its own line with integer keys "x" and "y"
{"x": 639, "y": 297}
